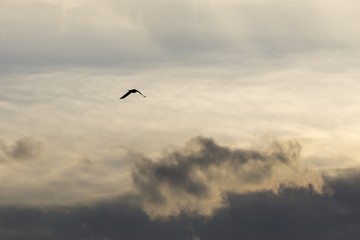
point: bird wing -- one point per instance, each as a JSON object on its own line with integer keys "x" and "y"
{"x": 141, "y": 93}
{"x": 125, "y": 95}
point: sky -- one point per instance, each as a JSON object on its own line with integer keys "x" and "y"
{"x": 250, "y": 128}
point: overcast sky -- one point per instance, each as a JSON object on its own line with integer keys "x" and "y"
{"x": 251, "y": 105}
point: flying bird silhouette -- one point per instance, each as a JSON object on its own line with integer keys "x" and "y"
{"x": 131, "y": 91}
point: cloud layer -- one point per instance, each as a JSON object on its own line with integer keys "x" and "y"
{"x": 154, "y": 32}
{"x": 195, "y": 179}
{"x": 291, "y": 213}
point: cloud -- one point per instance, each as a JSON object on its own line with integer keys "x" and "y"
{"x": 197, "y": 178}
{"x": 203, "y": 190}
{"x": 291, "y": 213}
{"x": 35, "y": 174}
{"x": 153, "y": 32}
{"x": 22, "y": 149}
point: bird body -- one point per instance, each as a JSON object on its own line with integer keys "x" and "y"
{"x": 132, "y": 91}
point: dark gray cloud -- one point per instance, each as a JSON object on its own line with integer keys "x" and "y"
{"x": 197, "y": 178}
{"x": 22, "y": 149}
{"x": 292, "y": 213}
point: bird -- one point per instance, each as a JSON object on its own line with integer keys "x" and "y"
{"x": 132, "y": 91}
